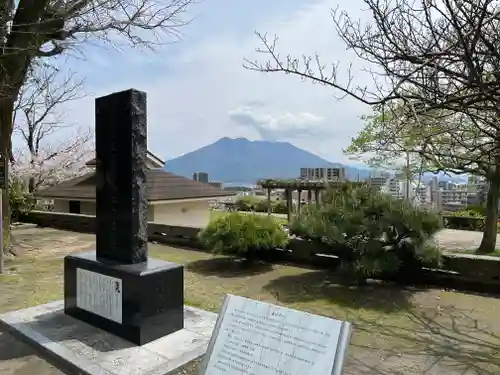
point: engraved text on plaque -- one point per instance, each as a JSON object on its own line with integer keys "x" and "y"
{"x": 99, "y": 294}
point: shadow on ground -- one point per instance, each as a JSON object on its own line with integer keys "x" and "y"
{"x": 228, "y": 267}
{"x": 11, "y": 348}
{"x": 445, "y": 341}
{"x": 323, "y": 285}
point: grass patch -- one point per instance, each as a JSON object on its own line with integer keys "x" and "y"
{"x": 397, "y": 331}
{"x": 30, "y": 281}
{"x": 280, "y": 218}
{"x": 409, "y": 328}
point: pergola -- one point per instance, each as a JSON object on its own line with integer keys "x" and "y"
{"x": 298, "y": 185}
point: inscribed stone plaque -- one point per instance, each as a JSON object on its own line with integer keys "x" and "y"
{"x": 256, "y": 338}
{"x": 99, "y": 294}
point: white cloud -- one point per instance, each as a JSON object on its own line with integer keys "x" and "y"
{"x": 209, "y": 94}
{"x": 276, "y": 126}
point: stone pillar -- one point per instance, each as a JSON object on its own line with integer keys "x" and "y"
{"x": 121, "y": 191}
{"x": 117, "y": 288}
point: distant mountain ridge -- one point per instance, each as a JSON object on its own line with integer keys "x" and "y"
{"x": 241, "y": 161}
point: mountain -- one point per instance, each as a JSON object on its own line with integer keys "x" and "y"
{"x": 243, "y": 162}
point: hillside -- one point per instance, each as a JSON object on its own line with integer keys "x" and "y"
{"x": 240, "y": 161}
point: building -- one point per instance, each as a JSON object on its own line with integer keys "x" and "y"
{"x": 201, "y": 177}
{"x": 392, "y": 187}
{"x": 173, "y": 200}
{"x": 377, "y": 182}
{"x": 322, "y": 174}
{"x": 216, "y": 184}
{"x": 454, "y": 195}
{"x": 152, "y": 162}
{"x": 413, "y": 191}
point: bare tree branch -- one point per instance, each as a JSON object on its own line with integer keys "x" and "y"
{"x": 38, "y": 118}
{"x": 30, "y": 30}
{"x": 439, "y": 61}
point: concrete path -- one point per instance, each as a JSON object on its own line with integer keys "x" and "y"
{"x": 453, "y": 239}
{"x": 16, "y": 358}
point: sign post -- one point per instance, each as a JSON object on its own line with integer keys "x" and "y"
{"x": 256, "y": 338}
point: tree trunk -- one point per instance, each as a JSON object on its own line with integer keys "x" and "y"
{"x": 31, "y": 185}
{"x": 488, "y": 243}
{"x": 268, "y": 202}
{"x": 6, "y": 110}
{"x": 289, "y": 204}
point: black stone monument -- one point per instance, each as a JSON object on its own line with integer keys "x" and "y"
{"x": 118, "y": 288}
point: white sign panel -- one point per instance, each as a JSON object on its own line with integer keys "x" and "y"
{"x": 99, "y": 294}
{"x": 256, "y": 338}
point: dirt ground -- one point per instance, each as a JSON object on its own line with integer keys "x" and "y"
{"x": 396, "y": 331}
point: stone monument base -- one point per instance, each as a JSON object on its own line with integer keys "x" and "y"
{"x": 79, "y": 348}
{"x": 137, "y": 302}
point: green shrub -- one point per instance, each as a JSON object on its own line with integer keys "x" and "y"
{"x": 262, "y": 205}
{"x": 373, "y": 234}
{"x": 470, "y": 218}
{"x": 251, "y": 203}
{"x": 464, "y": 222}
{"x": 473, "y": 210}
{"x": 243, "y": 236}
{"x": 280, "y": 207}
{"x": 469, "y": 212}
{"x": 21, "y": 201}
{"x": 247, "y": 203}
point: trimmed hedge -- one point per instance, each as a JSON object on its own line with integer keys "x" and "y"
{"x": 243, "y": 236}
{"x": 249, "y": 203}
{"x": 463, "y": 222}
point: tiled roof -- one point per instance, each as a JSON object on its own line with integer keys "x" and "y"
{"x": 152, "y": 158}
{"x": 162, "y": 185}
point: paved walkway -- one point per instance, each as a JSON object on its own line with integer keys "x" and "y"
{"x": 17, "y": 358}
{"x": 453, "y": 239}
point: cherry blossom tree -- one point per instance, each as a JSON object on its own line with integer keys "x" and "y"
{"x": 44, "y": 158}
{"x": 53, "y": 161}
{"x": 38, "y": 30}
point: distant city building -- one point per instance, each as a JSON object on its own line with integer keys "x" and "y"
{"x": 322, "y": 174}
{"x": 201, "y": 177}
{"x": 413, "y": 191}
{"x": 454, "y": 195}
{"x": 216, "y": 184}
{"x": 392, "y": 187}
{"x": 377, "y": 182}
{"x": 442, "y": 195}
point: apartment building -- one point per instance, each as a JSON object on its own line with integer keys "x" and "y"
{"x": 201, "y": 177}
{"x": 377, "y": 182}
{"x": 417, "y": 193}
{"x": 323, "y": 174}
{"x": 454, "y": 195}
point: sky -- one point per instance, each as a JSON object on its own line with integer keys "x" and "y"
{"x": 198, "y": 90}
